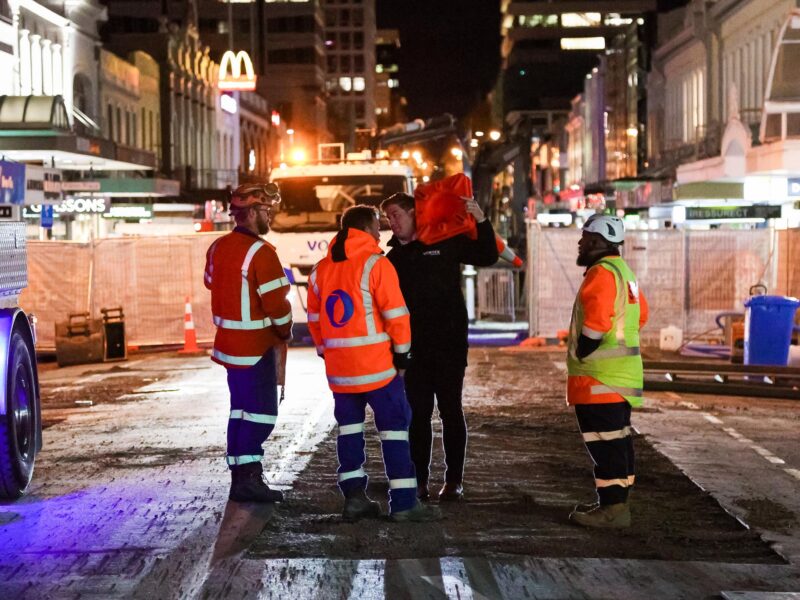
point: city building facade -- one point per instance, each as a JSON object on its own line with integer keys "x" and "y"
{"x": 724, "y": 132}
{"x": 350, "y": 38}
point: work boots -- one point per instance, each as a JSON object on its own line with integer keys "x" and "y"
{"x": 247, "y": 485}
{"x": 451, "y": 492}
{"x": 608, "y": 516}
{"x": 420, "y": 513}
{"x": 357, "y": 505}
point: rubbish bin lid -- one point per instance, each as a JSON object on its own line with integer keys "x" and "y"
{"x": 772, "y": 301}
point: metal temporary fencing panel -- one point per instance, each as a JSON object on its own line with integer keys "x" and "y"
{"x": 59, "y": 275}
{"x": 496, "y": 293}
{"x": 688, "y": 277}
{"x": 553, "y": 278}
{"x": 149, "y": 277}
{"x": 658, "y": 259}
{"x": 788, "y": 264}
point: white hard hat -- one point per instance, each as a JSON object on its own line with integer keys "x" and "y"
{"x": 610, "y": 227}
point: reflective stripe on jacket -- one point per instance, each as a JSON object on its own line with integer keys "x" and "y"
{"x": 248, "y": 298}
{"x": 357, "y": 316}
{"x": 609, "y": 307}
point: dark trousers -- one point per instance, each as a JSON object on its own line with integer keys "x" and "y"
{"x": 441, "y": 380}
{"x": 607, "y": 435}
{"x": 254, "y": 410}
{"x": 392, "y": 416}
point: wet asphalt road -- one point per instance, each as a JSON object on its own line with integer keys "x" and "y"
{"x": 130, "y": 500}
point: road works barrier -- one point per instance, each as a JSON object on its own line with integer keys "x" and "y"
{"x": 688, "y": 277}
{"x": 149, "y": 277}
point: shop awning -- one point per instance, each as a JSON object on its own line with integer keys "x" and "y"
{"x": 139, "y": 188}
{"x": 710, "y": 190}
{"x": 37, "y": 129}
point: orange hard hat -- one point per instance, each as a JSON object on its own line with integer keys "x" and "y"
{"x": 251, "y": 194}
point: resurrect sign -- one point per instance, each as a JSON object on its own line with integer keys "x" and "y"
{"x": 733, "y": 212}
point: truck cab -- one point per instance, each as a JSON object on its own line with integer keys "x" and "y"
{"x": 20, "y": 412}
{"x": 313, "y": 198}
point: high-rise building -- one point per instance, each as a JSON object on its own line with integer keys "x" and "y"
{"x": 389, "y": 101}
{"x": 540, "y": 37}
{"x": 350, "y": 54}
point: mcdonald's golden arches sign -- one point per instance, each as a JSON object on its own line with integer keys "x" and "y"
{"x": 236, "y": 72}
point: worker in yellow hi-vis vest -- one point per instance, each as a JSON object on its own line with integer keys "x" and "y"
{"x": 604, "y": 367}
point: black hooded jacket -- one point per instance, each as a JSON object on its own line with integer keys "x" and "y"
{"x": 430, "y": 279}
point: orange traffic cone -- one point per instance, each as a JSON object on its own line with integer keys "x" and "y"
{"x": 507, "y": 253}
{"x": 189, "y": 334}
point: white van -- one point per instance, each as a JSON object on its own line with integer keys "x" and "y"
{"x": 313, "y": 198}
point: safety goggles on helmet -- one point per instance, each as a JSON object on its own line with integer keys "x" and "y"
{"x": 252, "y": 194}
{"x": 610, "y": 227}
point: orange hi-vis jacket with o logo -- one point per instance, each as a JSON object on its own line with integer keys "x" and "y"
{"x": 248, "y": 298}
{"x": 357, "y": 315}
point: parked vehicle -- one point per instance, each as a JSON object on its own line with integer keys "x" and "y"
{"x": 20, "y": 411}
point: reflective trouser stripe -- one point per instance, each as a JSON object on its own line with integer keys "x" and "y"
{"x": 606, "y": 436}
{"x": 402, "y": 348}
{"x": 272, "y": 285}
{"x": 363, "y": 379}
{"x": 313, "y": 317}
{"x": 622, "y": 391}
{"x": 352, "y": 474}
{"x": 397, "y": 484}
{"x": 235, "y": 360}
{"x": 352, "y": 342}
{"x": 394, "y": 313}
{"x": 603, "y": 483}
{"x": 243, "y": 460}
{"x": 350, "y": 429}
{"x": 231, "y": 324}
{"x": 394, "y": 436}
{"x": 253, "y": 417}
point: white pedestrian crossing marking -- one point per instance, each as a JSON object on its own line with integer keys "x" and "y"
{"x": 368, "y": 580}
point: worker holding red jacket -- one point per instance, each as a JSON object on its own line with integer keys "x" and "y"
{"x": 430, "y": 279}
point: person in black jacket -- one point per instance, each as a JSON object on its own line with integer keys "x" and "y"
{"x": 430, "y": 279}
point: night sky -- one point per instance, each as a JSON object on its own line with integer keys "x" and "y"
{"x": 450, "y": 53}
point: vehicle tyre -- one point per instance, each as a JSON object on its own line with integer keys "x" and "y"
{"x": 18, "y": 427}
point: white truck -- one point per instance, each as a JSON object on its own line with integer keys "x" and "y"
{"x": 313, "y": 197}
{"x": 20, "y": 412}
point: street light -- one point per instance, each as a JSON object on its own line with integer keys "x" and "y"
{"x": 494, "y": 135}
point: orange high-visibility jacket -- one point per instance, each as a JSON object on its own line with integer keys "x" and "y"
{"x": 357, "y": 315}
{"x": 248, "y": 298}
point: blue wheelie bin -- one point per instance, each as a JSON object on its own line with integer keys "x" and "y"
{"x": 769, "y": 321}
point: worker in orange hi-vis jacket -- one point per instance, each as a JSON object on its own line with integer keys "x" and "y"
{"x": 604, "y": 368}
{"x": 253, "y": 319}
{"x": 360, "y": 325}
